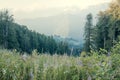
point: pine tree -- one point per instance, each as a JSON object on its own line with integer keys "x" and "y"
{"x": 5, "y": 21}
{"x": 88, "y": 33}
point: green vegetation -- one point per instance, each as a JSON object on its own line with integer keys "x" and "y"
{"x": 97, "y": 66}
{"x": 19, "y": 37}
{"x": 88, "y": 33}
{"x": 106, "y": 32}
{"x": 101, "y": 61}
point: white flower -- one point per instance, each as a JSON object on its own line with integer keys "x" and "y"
{"x": 89, "y": 78}
{"x": 24, "y": 57}
{"x": 31, "y": 76}
{"x": 4, "y": 71}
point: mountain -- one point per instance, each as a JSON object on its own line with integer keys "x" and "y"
{"x": 75, "y": 46}
{"x": 69, "y": 23}
{"x": 71, "y": 41}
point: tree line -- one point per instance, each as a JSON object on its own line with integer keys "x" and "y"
{"x": 106, "y": 33}
{"x": 19, "y": 37}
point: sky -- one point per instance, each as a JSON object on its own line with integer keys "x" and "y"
{"x": 30, "y": 9}
{"x": 43, "y": 4}
{"x": 33, "y": 5}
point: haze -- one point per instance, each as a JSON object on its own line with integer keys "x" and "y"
{"x": 37, "y": 14}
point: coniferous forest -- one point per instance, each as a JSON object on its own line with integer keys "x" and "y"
{"x": 19, "y": 37}
{"x": 106, "y": 33}
{"x": 28, "y": 55}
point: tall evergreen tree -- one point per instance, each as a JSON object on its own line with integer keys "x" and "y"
{"x": 5, "y": 21}
{"x": 88, "y": 33}
{"x": 108, "y": 27}
{"x": 102, "y": 31}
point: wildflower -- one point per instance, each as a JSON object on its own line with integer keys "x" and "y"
{"x": 4, "y": 71}
{"x": 79, "y": 63}
{"x": 66, "y": 72}
{"x": 89, "y": 78}
{"x": 24, "y": 57}
{"x": 31, "y": 76}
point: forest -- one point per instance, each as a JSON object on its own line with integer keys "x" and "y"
{"x": 19, "y": 37}
{"x": 106, "y": 33}
{"x": 29, "y": 55}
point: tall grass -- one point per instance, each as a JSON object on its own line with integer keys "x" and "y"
{"x": 46, "y": 67}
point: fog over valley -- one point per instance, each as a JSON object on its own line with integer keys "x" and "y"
{"x": 62, "y": 17}
{"x": 66, "y": 23}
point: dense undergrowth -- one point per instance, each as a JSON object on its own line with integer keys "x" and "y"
{"x": 97, "y": 66}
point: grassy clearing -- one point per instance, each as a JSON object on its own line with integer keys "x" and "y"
{"x": 45, "y": 67}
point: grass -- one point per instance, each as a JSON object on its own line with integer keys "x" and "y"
{"x": 46, "y": 67}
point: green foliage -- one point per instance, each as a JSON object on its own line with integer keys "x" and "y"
{"x": 19, "y": 37}
{"x": 14, "y": 66}
{"x": 106, "y": 32}
{"x": 102, "y": 32}
{"x": 88, "y": 33}
{"x": 116, "y": 49}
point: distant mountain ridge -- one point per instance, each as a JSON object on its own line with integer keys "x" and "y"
{"x": 69, "y": 23}
{"x": 73, "y": 44}
{"x": 66, "y": 39}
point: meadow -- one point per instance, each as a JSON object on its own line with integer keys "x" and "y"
{"x": 95, "y": 66}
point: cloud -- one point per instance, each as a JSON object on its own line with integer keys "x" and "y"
{"x": 62, "y": 27}
{"x": 38, "y": 8}
{"x": 27, "y": 9}
{"x": 43, "y": 4}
